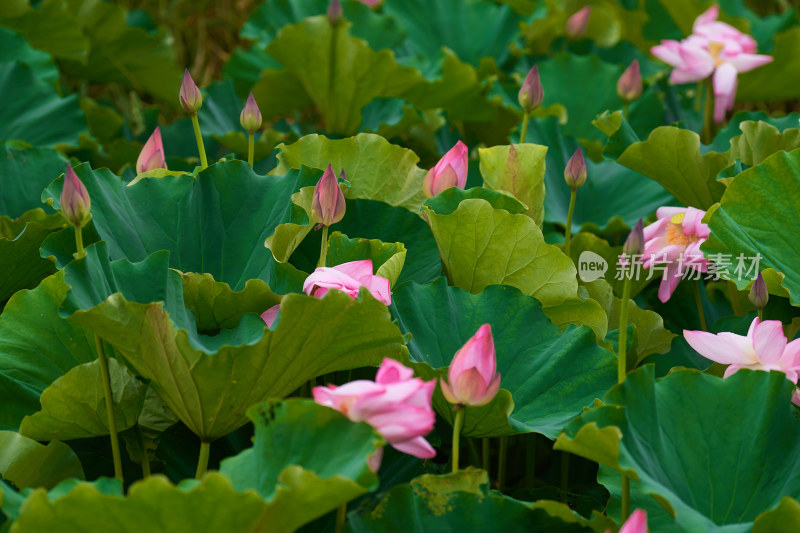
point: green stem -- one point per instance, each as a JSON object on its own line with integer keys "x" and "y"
{"x": 485, "y": 453}
{"x": 568, "y": 229}
{"x": 698, "y": 97}
{"x": 323, "y": 251}
{"x": 251, "y": 147}
{"x": 523, "y": 132}
{"x": 626, "y": 499}
{"x": 564, "y": 471}
{"x": 81, "y": 253}
{"x": 733, "y": 292}
{"x": 112, "y": 424}
{"x": 202, "y": 461}
{"x": 501, "y": 463}
{"x": 760, "y": 314}
{"x": 457, "y": 424}
{"x": 145, "y": 458}
{"x": 341, "y": 516}
{"x": 622, "y": 368}
{"x": 627, "y": 111}
{"x": 199, "y": 138}
{"x": 699, "y": 303}
{"x": 709, "y": 126}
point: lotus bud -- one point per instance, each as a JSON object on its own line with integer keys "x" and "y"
{"x": 472, "y": 378}
{"x": 250, "y": 118}
{"x": 328, "y": 205}
{"x": 634, "y": 244}
{"x": 450, "y": 171}
{"x": 75, "y": 201}
{"x": 335, "y": 12}
{"x": 152, "y": 154}
{"x": 576, "y": 24}
{"x": 629, "y": 86}
{"x": 531, "y": 93}
{"x": 758, "y": 293}
{"x": 191, "y": 99}
{"x": 575, "y": 173}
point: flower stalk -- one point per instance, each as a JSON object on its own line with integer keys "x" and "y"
{"x": 457, "y": 425}
{"x": 202, "y": 460}
{"x": 109, "y": 400}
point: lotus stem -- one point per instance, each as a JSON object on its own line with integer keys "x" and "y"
{"x": 323, "y": 251}
{"x": 112, "y": 424}
{"x": 251, "y": 148}
{"x": 622, "y": 368}
{"x": 341, "y": 516}
{"x": 523, "y": 132}
{"x": 568, "y": 229}
{"x": 457, "y": 425}
{"x": 202, "y": 461}
{"x": 626, "y": 498}
{"x": 199, "y": 138}
{"x": 145, "y": 459}
{"x": 699, "y": 303}
{"x": 733, "y": 292}
{"x": 626, "y": 110}
{"x": 81, "y": 253}
{"x": 501, "y": 463}
{"x": 485, "y": 453}
{"x": 709, "y": 126}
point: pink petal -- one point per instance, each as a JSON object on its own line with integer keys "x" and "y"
{"x": 725, "y": 83}
{"x": 375, "y": 459}
{"x": 469, "y": 386}
{"x": 448, "y": 393}
{"x": 718, "y": 348}
{"x": 152, "y": 154}
{"x": 379, "y": 288}
{"x": 478, "y": 352}
{"x": 669, "y": 212}
{"x": 769, "y": 341}
{"x": 355, "y": 269}
{"x": 637, "y": 521}
{"x": 270, "y": 314}
{"x": 656, "y": 228}
{"x": 392, "y": 371}
{"x": 748, "y": 62}
{"x": 418, "y": 447}
{"x": 669, "y": 281}
{"x": 490, "y": 393}
{"x": 708, "y": 16}
{"x": 668, "y": 52}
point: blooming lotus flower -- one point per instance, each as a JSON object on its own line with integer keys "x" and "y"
{"x": 191, "y": 99}
{"x": 328, "y": 204}
{"x": 450, "y": 171}
{"x": 675, "y": 239}
{"x": 472, "y": 378}
{"x": 152, "y": 154}
{"x": 577, "y": 23}
{"x": 250, "y": 117}
{"x": 348, "y": 278}
{"x": 396, "y": 404}
{"x": 714, "y": 48}
{"x": 636, "y": 523}
{"x": 764, "y": 348}
{"x": 531, "y": 93}
{"x": 575, "y": 171}
{"x": 75, "y": 201}
{"x": 629, "y": 85}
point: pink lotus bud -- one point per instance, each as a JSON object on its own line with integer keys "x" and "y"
{"x": 576, "y": 24}
{"x": 328, "y": 205}
{"x": 152, "y": 154}
{"x": 450, "y": 171}
{"x": 472, "y": 377}
{"x": 759, "y": 296}
{"x": 191, "y": 99}
{"x": 629, "y": 86}
{"x": 575, "y": 173}
{"x": 335, "y": 12}
{"x": 271, "y": 314}
{"x": 531, "y": 93}
{"x": 75, "y": 201}
{"x": 634, "y": 244}
{"x": 250, "y": 119}
{"x": 636, "y": 522}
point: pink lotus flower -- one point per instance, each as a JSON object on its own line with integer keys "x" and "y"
{"x": 191, "y": 98}
{"x": 629, "y": 85}
{"x": 450, "y": 171}
{"x": 531, "y": 93}
{"x": 714, "y": 48}
{"x": 764, "y": 348}
{"x": 328, "y": 205}
{"x": 396, "y": 404}
{"x": 675, "y": 239}
{"x": 472, "y": 378}
{"x": 75, "y": 200}
{"x": 577, "y": 23}
{"x": 348, "y": 278}
{"x": 152, "y": 154}
{"x": 636, "y": 523}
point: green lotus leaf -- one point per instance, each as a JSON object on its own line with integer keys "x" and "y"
{"x": 151, "y": 505}
{"x": 671, "y": 156}
{"x": 777, "y": 80}
{"x": 306, "y": 461}
{"x": 658, "y": 430}
{"x": 14, "y": 47}
{"x": 21, "y": 265}
{"x": 25, "y": 172}
{"x": 209, "y": 382}
{"x": 73, "y": 406}
{"x": 50, "y": 27}
{"x": 40, "y": 115}
{"x": 583, "y": 242}
{"x": 760, "y": 140}
{"x": 26, "y": 463}
{"x": 463, "y": 502}
{"x": 376, "y": 169}
{"x": 448, "y": 200}
{"x": 305, "y": 49}
{"x": 548, "y": 375}
{"x": 226, "y": 214}
{"x": 289, "y": 235}
{"x": 387, "y": 258}
{"x": 785, "y": 518}
{"x": 520, "y": 174}
{"x": 37, "y": 346}
{"x": 746, "y": 222}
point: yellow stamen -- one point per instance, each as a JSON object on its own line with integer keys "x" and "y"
{"x": 716, "y": 49}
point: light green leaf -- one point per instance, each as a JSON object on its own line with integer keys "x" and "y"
{"x": 521, "y": 174}
{"x": 26, "y": 463}
{"x": 387, "y": 258}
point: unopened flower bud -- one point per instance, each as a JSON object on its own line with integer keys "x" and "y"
{"x": 335, "y": 12}
{"x": 191, "y": 99}
{"x": 531, "y": 93}
{"x": 629, "y": 86}
{"x": 758, "y": 293}
{"x": 75, "y": 201}
{"x": 152, "y": 154}
{"x": 576, "y": 24}
{"x": 634, "y": 244}
{"x": 250, "y": 119}
{"x": 575, "y": 173}
{"x": 450, "y": 171}
{"x": 328, "y": 205}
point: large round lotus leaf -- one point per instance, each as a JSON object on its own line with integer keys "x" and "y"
{"x": 463, "y": 502}
{"x": 37, "y": 346}
{"x": 548, "y": 375}
{"x": 26, "y": 463}
{"x": 215, "y": 224}
{"x": 21, "y": 266}
{"x": 760, "y": 214}
{"x": 306, "y": 461}
{"x": 209, "y": 382}
{"x": 683, "y": 440}
{"x": 24, "y": 173}
{"x": 519, "y": 170}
